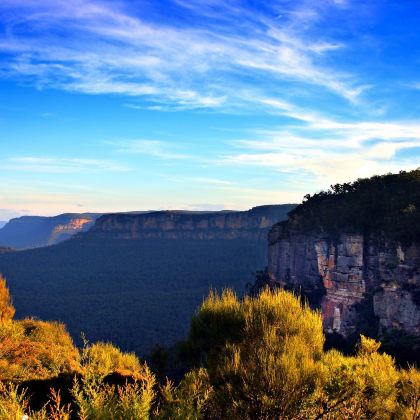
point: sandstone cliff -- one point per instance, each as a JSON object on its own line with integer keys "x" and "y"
{"x": 37, "y": 231}
{"x": 347, "y": 270}
{"x": 251, "y": 224}
{"x": 355, "y": 252}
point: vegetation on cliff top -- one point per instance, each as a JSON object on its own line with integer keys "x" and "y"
{"x": 253, "y": 358}
{"x": 388, "y": 204}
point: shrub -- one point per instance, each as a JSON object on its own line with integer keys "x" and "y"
{"x": 32, "y": 349}
{"x": 7, "y": 311}
{"x": 102, "y": 359}
{"x": 190, "y": 400}
{"x": 261, "y": 353}
{"x": 97, "y": 400}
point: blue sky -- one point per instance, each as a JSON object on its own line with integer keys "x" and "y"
{"x": 201, "y": 104}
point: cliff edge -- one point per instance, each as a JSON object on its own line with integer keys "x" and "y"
{"x": 251, "y": 224}
{"x": 354, "y": 251}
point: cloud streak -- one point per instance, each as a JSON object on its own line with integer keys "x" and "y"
{"x": 61, "y": 165}
{"x": 154, "y": 148}
{"x": 330, "y": 151}
{"x": 109, "y": 50}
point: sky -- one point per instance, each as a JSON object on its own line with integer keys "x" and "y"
{"x": 201, "y": 104}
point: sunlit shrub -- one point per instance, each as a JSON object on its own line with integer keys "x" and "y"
{"x": 96, "y": 399}
{"x": 7, "y": 311}
{"x": 190, "y": 400}
{"x": 32, "y": 349}
{"x": 103, "y": 359}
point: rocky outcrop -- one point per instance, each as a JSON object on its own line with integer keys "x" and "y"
{"x": 348, "y": 272}
{"x": 65, "y": 230}
{"x": 252, "y": 224}
{"x": 37, "y": 231}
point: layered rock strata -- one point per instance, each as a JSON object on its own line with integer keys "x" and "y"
{"x": 347, "y": 272}
{"x": 251, "y": 224}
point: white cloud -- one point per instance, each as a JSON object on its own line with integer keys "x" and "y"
{"x": 155, "y": 148}
{"x": 329, "y": 151}
{"x": 111, "y": 51}
{"x": 61, "y": 165}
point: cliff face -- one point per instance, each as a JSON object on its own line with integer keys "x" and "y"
{"x": 252, "y": 224}
{"x": 37, "y": 231}
{"x": 348, "y": 272}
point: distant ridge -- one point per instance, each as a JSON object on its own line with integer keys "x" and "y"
{"x": 37, "y": 231}
{"x": 180, "y": 224}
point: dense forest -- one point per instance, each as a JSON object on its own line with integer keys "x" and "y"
{"x": 108, "y": 289}
{"x": 253, "y": 358}
{"x": 387, "y": 204}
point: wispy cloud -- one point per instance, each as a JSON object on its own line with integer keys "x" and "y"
{"x": 155, "y": 148}
{"x": 328, "y": 150}
{"x": 109, "y": 49}
{"x": 61, "y": 165}
{"x": 201, "y": 180}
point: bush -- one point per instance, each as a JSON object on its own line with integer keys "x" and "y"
{"x": 7, "y": 311}
{"x": 270, "y": 363}
{"x": 97, "y": 400}
{"x": 102, "y": 359}
{"x": 257, "y": 358}
{"x": 32, "y": 349}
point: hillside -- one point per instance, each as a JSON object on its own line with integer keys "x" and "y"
{"x": 37, "y": 231}
{"x": 139, "y": 290}
{"x": 355, "y": 251}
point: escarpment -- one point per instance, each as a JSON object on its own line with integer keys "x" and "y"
{"x": 37, "y": 231}
{"x": 343, "y": 272}
{"x": 251, "y": 224}
{"x": 355, "y": 252}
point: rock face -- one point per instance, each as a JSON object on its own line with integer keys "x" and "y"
{"x": 37, "y": 231}
{"x": 251, "y": 224}
{"x": 347, "y": 272}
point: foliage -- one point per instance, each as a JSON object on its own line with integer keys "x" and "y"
{"x": 7, "y": 311}
{"x": 189, "y": 400}
{"x": 102, "y": 359}
{"x": 257, "y": 357}
{"x": 274, "y": 366}
{"x": 97, "y": 400}
{"x": 32, "y": 349}
{"x": 388, "y": 204}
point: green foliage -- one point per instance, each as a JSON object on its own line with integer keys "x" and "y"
{"x": 98, "y": 400}
{"x": 13, "y": 402}
{"x": 261, "y": 353}
{"x": 258, "y": 357}
{"x": 274, "y": 365}
{"x": 102, "y": 359}
{"x": 189, "y": 400}
{"x": 388, "y": 204}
